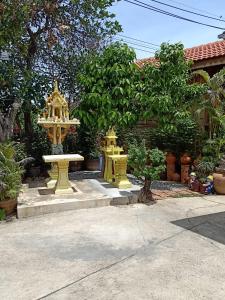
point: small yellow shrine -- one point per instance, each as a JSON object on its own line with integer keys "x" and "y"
{"x": 115, "y": 163}
{"x": 55, "y": 119}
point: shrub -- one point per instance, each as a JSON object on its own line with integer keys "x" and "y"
{"x": 10, "y": 173}
{"x": 147, "y": 166}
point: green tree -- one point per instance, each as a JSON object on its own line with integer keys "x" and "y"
{"x": 147, "y": 166}
{"x": 51, "y": 39}
{"x": 213, "y": 101}
{"x": 167, "y": 91}
{"x": 110, "y": 89}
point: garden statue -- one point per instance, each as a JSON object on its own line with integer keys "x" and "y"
{"x": 209, "y": 185}
{"x": 56, "y": 120}
{"x": 193, "y": 182}
{"x": 115, "y": 163}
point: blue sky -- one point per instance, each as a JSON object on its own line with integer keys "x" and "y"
{"x": 156, "y": 28}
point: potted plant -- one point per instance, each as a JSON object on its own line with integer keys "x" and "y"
{"x": 10, "y": 179}
{"x": 147, "y": 166}
{"x": 203, "y": 170}
{"x": 92, "y": 161}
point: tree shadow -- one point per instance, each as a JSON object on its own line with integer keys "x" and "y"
{"x": 211, "y": 226}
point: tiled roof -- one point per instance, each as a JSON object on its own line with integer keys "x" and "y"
{"x": 198, "y": 53}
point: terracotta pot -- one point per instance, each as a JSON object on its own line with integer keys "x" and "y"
{"x": 219, "y": 183}
{"x": 185, "y": 159}
{"x": 176, "y": 177}
{"x": 9, "y": 206}
{"x": 170, "y": 158}
{"x": 184, "y": 173}
{"x": 195, "y": 186}
{"x": 75, "y": 166}
{"x": 92, "y": 164}
{"x": 170, "y": 165}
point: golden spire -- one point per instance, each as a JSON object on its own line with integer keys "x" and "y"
{"x": 56, "y": 88}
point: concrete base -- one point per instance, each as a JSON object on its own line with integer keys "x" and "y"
{"x": 87, "y": 193}
{"x": 51, "y": 183}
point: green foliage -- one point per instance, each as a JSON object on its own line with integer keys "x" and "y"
{"x": 39, "y": 145}
{"x": 109, "y": 82}
{"x": 20, "y": 151}
{"x": 10, "y": 173}
{"x": 204, "y": 169}
{"x": 167, "y": 90}
{"x": 185, "y": 136}
{"x": 213, "y": 150}
{"x": 214, "y": 101}
{"x": 44, "y": 40}
{"x": 146, "y": 163}
{"x": 2, "y": 214}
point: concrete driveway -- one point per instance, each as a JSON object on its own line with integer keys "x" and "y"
{"x": 174, "y": 249}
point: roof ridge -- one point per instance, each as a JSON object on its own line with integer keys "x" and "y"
{"x": 197, "y": 53}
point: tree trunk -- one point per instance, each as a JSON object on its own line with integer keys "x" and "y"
{"x": 145, "y": 194}
{"x": 28, "y": 124}
{"x": 7, "y": 122}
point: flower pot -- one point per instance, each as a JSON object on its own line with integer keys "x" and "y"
{"x": 75, "y": 166}
{"x": 34, "y": 171}
{"x": 185, "y": 159}
{"x": 176, "y": 177}
{"x": 9, "y": 206}
{"x": 219, "y": 183}
{"x": 195, "y": 186}
{"x": 170, "y": 165}
{"x": 92, "y": 164}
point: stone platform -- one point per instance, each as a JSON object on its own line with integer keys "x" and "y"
{"x": 36, "y": 199}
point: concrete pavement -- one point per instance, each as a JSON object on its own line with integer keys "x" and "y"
{"x": 171, "y": 250}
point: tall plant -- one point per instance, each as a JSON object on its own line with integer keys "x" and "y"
{"x": 110, "y": 95}
{"x": 214, "y": 100}
{"x": 167, "y": 92}
{"x": 147, "y": 166}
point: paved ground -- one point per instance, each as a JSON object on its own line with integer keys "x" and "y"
{"x": 174, "y": 249}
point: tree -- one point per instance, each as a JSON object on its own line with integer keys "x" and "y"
{"x": 50, "y": 38}
{"x": 110, "y": 89}
{"x": 147, "y": 166}
{"x": 213, "y": 101}
{"x": 167, "y": 91}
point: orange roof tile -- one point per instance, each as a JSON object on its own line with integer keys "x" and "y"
{"x": 202, "y": 52}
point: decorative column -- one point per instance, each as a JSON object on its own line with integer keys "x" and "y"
{"x": 170, "y": 166}
{"x": 185, "y": 166}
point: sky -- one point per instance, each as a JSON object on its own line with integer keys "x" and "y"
{"x": 152, "y": 27}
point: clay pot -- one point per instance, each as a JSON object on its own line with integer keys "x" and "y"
{"x": 195, "y": 186}
{"x": 75, "y": 166}
{"x": 176, "y": 177}
{"x": 170, "y": 158}
{"x": 170, "y": 165}
{"x": 9, "y": 206}
{"x": 184, "y": 173}
{"x": 92, "y": 164}
{"x": 185, "y": 159}
{"x": 219, "y": 183}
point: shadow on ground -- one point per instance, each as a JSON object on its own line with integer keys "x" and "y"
{"x": 211, "y": 226}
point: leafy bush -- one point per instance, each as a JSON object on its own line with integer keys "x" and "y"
{"x": 184, "y": 137}
{"x": 204, "y": 169}
{"x": 2, "y": 214}
{"x": 10, "y": 173}
{"x": 39, "y": 145}
{"x": 147, "y": 165}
